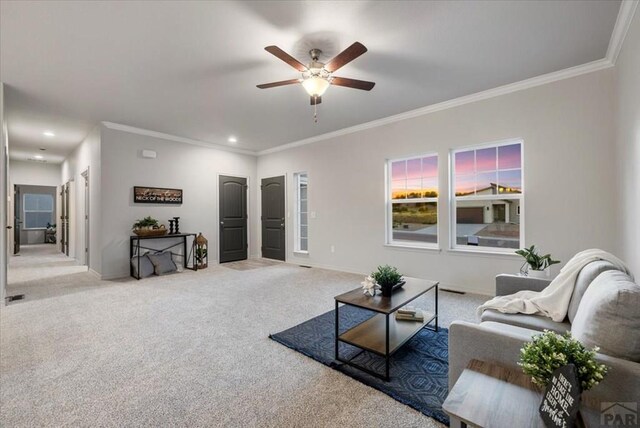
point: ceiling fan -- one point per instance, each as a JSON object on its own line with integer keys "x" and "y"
{"x": 318, "y": 76}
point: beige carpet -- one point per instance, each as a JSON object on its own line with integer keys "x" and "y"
{"x": 250, "y": 264}
{"x": 189, "y": 349}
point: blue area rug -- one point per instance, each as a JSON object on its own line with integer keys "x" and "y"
{"x": 418, "y": 370}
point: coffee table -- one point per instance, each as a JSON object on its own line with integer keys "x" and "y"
{"x": 382, "y": 334}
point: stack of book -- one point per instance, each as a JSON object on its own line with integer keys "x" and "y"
{"x": 409, "y": 313}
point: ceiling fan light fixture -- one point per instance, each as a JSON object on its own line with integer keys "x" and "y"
{"x": 315, "y": 86}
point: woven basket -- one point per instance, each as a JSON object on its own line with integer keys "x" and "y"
{"x": 150, "y": 232}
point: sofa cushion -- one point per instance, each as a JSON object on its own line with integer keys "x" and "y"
{"x": 609, "y": 316}
{"x": 163, "y": 263}
{"x": 585, "y": 277}
{"x": 146, "y": 267}
{"x": 533, "y": 322}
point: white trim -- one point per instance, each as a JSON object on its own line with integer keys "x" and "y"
{"x": 163, "y": 136}
{"x": 567, "y": 73}
{"x": 425, "y": 247}
{"x": 625, "y": 16}
{"x": 486, "y": 251}
{"x": 297, "y": 239}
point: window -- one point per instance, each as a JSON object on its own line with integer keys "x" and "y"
{"x": 302, "y": 213}
{"x": 412, "y": 201}
{"x": 488, "y": 192}
{"x": 38, "y": 210}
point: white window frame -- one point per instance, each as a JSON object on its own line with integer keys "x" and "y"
{"x": 25, "y": 210}
{"x": 297, "y": 212}
{"x": 389, "y": 241}
{"x": 453, "y": 241}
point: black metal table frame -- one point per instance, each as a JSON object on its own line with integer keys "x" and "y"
{"x": 134, "y": 250}
{"x": 387, "y": 355}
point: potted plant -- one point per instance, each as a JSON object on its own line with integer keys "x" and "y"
{"x": 535, "y": 265}
{"x": 148, "y": 226}
{"x": 201, "y": 257}
{"x": 387, "y": 277}
{"x": 549, "y": 351}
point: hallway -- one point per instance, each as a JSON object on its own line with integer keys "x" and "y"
{"x": 41, "y": 271}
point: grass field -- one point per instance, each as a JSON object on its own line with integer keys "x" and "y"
{"x": 421, "y": 213}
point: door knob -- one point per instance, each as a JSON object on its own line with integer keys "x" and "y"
{"x": 222, "y": 223}
{"x": 9, "y": 227}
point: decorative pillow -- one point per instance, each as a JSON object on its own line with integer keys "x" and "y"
{"x": 162, "y": 263}
{"x": 146, "y": 267}
{"x": 608, "y": 316}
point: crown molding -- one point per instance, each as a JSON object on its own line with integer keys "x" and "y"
{"x": 544, "y": 79}
{"x": 177, "y": 139}
{"x": 625, "y": 16}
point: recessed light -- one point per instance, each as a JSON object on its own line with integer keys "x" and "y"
{"x": 48, "y": 134}
{"x": 232, "y": 140}
{"x": 42, "y": 149}
{"x": 38, "y": 157}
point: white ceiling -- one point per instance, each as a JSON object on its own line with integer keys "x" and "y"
{"x": 190, "y": 68}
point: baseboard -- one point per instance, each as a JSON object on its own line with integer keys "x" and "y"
{"x": 452, "y": 287}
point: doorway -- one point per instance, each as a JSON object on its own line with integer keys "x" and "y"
{"x": 273, "y": 218}
{"x": 232, "y": 192}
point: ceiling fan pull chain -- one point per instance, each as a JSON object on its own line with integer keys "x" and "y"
{"x": 315, "y": 110}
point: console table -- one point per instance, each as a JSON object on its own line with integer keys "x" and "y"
{"x": 135, "y": 247}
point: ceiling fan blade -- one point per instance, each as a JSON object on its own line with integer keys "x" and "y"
{"x": 280, "y": 83}
{"x": 274, "y": 50}
{"x": 345, "y": 57}
{"x": 316, "y": 100}
{"x": 353, "y": 83}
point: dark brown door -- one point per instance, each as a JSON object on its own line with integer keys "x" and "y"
{"x": 273, "y": 215}
{"x": 233, "y": 218}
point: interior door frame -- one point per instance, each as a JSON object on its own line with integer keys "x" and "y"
{"x": 217, "y": 210}
{"x": 287, "y": 212}
{"x": 87, "y": 209}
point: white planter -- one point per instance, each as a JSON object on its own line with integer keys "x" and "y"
{"x": 540, "y": 274}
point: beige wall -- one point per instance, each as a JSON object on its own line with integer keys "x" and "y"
{"x": 568, "y": 131}
{"x": 86, "y": 155}
{"x": 628, "y": 145}
{"x": 34, "y": 173}
{"x": 4, "y": 184}
{"x": 191, "y": 168}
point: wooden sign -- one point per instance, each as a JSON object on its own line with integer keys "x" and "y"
{"x": 561, "y": 399}
{"x": 156, "y": 195}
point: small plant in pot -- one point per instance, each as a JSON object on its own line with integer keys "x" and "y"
{"x": 148, "y": 226}
{"x": 549, "y": 351}
{"x": 535, "y": 265}
{"x": 387, "y": 277}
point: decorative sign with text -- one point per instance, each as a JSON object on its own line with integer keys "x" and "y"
{"x": 561, "y": 399}
{"x": 155, "y": 195}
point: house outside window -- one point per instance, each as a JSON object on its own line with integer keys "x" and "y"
{"x": 487, "y": 196}
{"x": 38, "y": 210}
{"x": 412, "y": 201}
{"x": 302, "y": 213}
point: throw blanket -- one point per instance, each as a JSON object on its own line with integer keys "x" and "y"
{"x": 553, "y": 301}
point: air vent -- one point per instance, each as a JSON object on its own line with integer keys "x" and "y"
{"x": 36, "y": 160}
{"x": 14, "y": 297}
